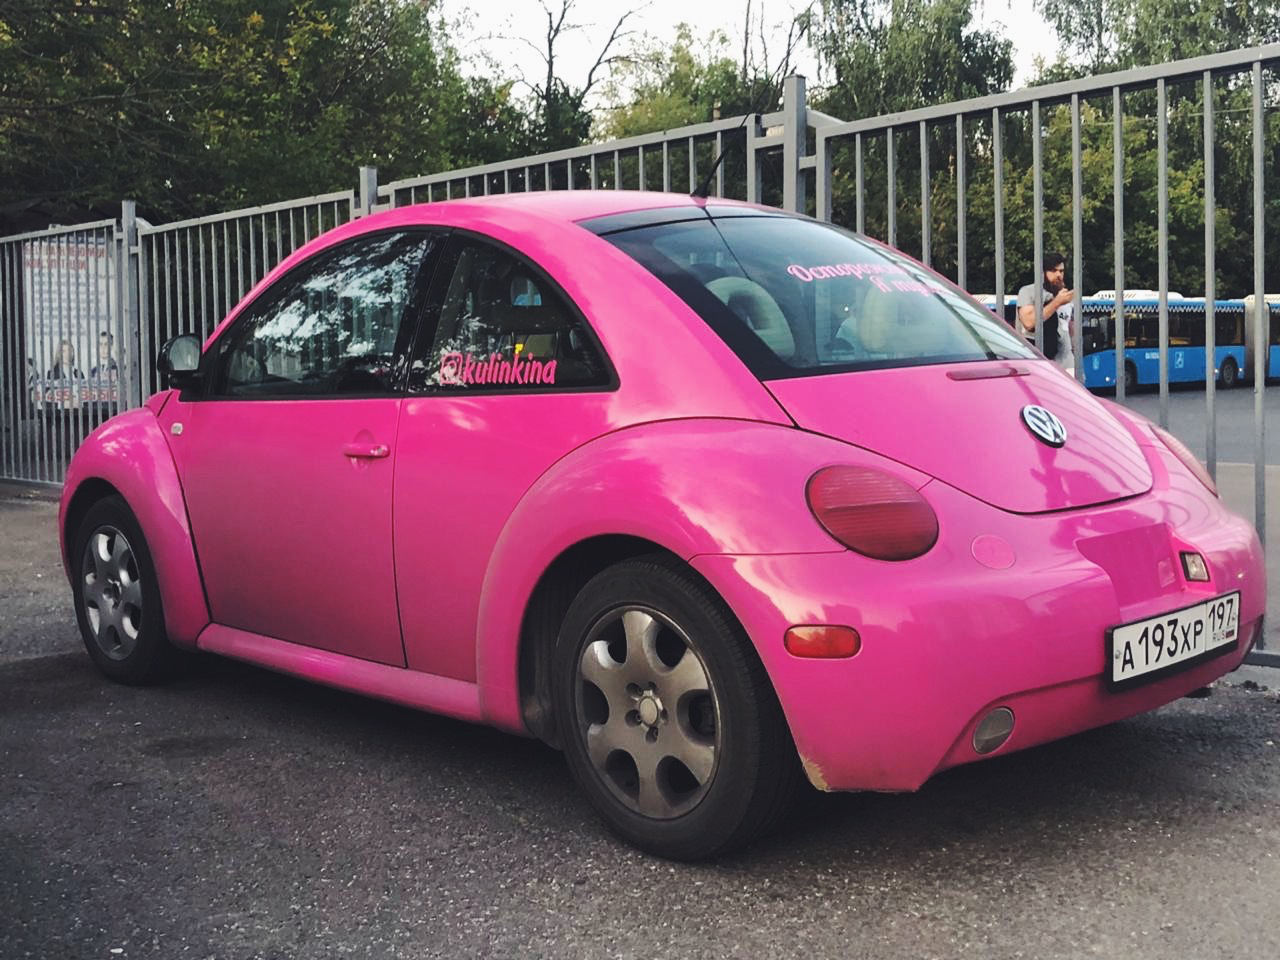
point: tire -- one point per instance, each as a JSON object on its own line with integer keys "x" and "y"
{"x": 1130, "y": 378}
{"x": 1230, "y": 373}
{"x": 117, "y": 596}
{"x": 669, "y": 723}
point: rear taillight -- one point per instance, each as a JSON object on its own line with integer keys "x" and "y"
{"x": 871, "y": 512}
{"x": 1189, "y": 459}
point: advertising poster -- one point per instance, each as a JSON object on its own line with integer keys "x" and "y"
{"x": 72, "y": 353}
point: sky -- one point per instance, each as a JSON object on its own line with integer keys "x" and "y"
{"x": 508, "y": 30}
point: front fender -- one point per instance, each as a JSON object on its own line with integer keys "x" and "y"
{"x": 694, "y": 487}
{"x": 129, "y": 452}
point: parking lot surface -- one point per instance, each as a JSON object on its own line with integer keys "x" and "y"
{"x": 234, "y": 813}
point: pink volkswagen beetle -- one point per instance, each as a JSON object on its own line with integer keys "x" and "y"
{"x": 715, "y": 499}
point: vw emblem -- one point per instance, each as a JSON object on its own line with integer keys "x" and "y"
{"x": 1044, "y": 425}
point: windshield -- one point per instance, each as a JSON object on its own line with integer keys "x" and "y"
{"x": 797, "y": 298}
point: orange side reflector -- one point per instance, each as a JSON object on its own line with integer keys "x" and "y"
{"x": 824, "y": 642}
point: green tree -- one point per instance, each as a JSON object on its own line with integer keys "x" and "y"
{"x": 196, "y": 106}
{"x": 891, "y": 55}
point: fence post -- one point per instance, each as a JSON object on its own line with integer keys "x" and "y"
{"x": 793, "y": 142}
{"x": 367, "y": 191}
{"x": 130, "y": 329}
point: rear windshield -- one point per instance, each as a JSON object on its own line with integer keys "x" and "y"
{"x": 797, "y": 298}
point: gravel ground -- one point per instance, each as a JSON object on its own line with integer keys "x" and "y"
{"x": 234, "y": 813}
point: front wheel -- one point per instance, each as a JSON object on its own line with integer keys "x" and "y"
{"x": 669, "y": 722}
{"x": 117, "y": 597}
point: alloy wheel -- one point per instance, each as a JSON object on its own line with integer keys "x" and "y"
{"x": 648, "y": 712}
{"x": 112, "y": 592}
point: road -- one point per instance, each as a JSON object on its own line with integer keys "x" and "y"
{"x": 1235, "y": 418}
{"x": 238, "y": 814}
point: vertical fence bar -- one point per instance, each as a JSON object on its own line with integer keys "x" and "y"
{"x": 75, "y": 316}
{"x": 666, "y": 166}
{"x": 1117, "y": 107}
{"x": 9, "y": 372}
{"x": 926, "y": 238}
{"x": 719, "y": 167}
{"x": 1262, "y": 313}
{"x": 693, "y": 166}
{"x": 891, "y": 201}
{"x": 226, "y": 261}
{"x": 204, "y": 276}
{"x": 617, "y": 169}
{"x": 997, "y": 159}
{"x": 148, "y": 300}
{"x": 253, "y": 252}
{"x": 240, "y": 251}
{"x": 1210, "y": 278}
{"x": 640, "y": 166}
{"x": 12, "y": 296}
{"x": 822, "y": 179}
{"x": 267, "y": 263}
{"x": 1162, "y": 216}
{"x": 61, "y": 424}
{"x": 1077, "y": 239}
{"x": 215, "y": 291}
{"x": 1037, "y": 229}
{"x": 189, "y": 311}
{"x": 86, "y": 307}
{"x": 595, "y": 174}
{"x": 753, "y": 166}
{"x": 860, "y": 208}
{"x": 962, "y": 253}
{"x": 17, "y": 381}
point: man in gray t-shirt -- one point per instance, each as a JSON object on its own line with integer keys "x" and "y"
{"x": 1052, "y": 304}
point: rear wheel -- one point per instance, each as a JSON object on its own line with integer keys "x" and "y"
{"x": 1230, "y": 373}
{"x": 1130, "y": 377}
{"x": 670, "y": 724}
{"x": 117, "y": 597}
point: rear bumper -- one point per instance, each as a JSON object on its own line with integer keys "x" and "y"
{"x": 948, "y": 637}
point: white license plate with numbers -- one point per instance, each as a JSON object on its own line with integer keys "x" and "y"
{"x": 1148, "y": 648}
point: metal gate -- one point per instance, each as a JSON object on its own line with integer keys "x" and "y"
{"x": 83, "y": 309}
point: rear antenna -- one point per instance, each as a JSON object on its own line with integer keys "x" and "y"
{"x": 701, "y": 193}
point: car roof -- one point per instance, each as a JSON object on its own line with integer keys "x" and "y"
{"x": 575, "y": 205}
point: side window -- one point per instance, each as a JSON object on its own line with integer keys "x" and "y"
{"x": 503, "y": 327}
{"x": 336, "y": 326}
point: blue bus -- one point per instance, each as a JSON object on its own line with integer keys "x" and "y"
{"x": 1233, "y": 353}
{"x": 1142, "y": 342}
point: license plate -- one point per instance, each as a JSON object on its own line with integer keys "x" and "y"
{"x": 1155, "y": 647}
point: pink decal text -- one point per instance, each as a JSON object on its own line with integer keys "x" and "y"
{"x": 463, "y": 369}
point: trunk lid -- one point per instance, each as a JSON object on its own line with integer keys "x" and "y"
{"x": 963, "y": 423}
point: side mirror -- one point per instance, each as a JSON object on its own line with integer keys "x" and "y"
{"x": 179, "y": 362}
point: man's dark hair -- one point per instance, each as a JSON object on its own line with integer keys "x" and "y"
{"x": 1052, "y": 260}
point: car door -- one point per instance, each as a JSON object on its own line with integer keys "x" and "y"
{"x": 287, "y": 456}
{"x": 512, "y": 380}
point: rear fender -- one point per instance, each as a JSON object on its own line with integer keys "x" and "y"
{"x": 129, "y": 455}
{"x": 692, "y": 487}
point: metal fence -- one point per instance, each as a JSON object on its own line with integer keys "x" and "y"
{"x": 83, "y": 309}
{"x": 191, "y": 273}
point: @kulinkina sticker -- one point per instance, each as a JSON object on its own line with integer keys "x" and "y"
{"x": 466, "y": 369}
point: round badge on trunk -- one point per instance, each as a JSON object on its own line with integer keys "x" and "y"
{"x": 1044, "y": 426}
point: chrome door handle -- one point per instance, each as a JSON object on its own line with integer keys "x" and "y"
{"x": 366, "y": 451}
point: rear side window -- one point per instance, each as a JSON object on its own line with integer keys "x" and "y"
{"x": 503, "y": 327}
{"x": 795, "y": 298}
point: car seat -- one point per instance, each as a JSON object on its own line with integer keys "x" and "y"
{"x": 757, "y": 308}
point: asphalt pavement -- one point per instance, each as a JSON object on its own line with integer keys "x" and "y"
{"x": 234, "y": 813}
